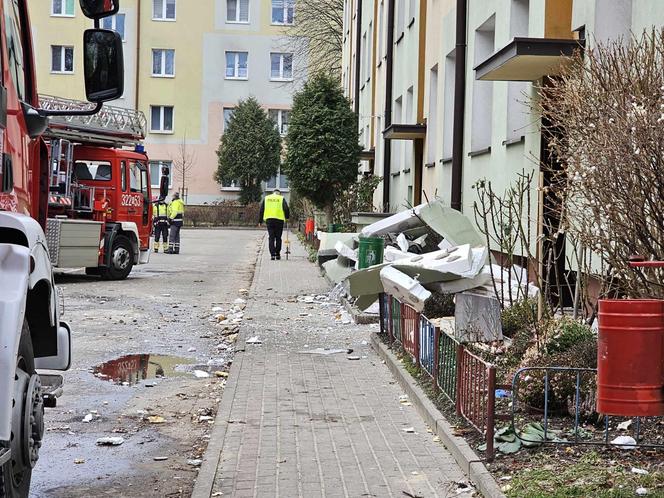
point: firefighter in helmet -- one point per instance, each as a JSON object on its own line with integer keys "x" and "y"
{"x": 175, "y": 218}
{"x": 160, "y": 224}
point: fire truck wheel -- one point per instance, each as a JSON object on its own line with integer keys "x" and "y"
{"x": 122, "y": 260}
{"x": 27, "y": 423}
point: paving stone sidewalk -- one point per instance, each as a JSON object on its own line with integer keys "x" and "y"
{"x": 311, "y": 425}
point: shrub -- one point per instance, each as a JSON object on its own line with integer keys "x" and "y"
{"x": 567, "y": 334}
{"x": 439, "y": 305}
{"x": 520, "y": 316}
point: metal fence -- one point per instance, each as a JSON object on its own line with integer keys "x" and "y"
{"x": 565, "y": 409}
{"x": 410, "y": 333}
{"x": 427, "y": 346}
{"x": 384, "y": 305}
{"x": 476, "y": 394}
{"x": 446, "y": 371}
{"x": 465, "y": 379}
{"x": 396, "y": 323}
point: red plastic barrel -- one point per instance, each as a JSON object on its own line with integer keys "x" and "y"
{"x": 630, "y": 357}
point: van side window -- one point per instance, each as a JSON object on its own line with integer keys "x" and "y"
{"x": 15, "y": 45}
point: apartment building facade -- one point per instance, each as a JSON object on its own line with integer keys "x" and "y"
{"x": 451, "y": 81}
{"x": 187, "y": 65}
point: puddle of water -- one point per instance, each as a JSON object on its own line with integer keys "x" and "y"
{"x": 134, "y": 368}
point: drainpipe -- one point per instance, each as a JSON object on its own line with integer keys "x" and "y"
{"x": 358, "y": 56}
{"x": 138, "y": 52}
{"x": 387, "y": 144}
{"x": 459, "y": 103}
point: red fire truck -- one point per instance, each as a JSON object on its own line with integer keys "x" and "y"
{"x": 31, "y": 334}
{"x": 99, "y": 204}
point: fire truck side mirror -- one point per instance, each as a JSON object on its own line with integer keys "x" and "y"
{"x": 97, "y": 9}
{"x": 163, "y": 185}
{"x": 103, "y": 65}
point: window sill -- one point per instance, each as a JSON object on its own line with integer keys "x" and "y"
{"x": 62, "y": 72}
{"x": 68, "y": 16}
{"x": 480, "y": 152}
{"x": 430, "y": 165}
{"x": 167, "y": 76}
{"x": 281, "y": 80}
{"x": 162, "y": 132}
{"x": 230, "y": 189}
{"x": 281, "y": 23}
{"x": 234, "y": 78}
{"x": 446, "y": 160}
{"x": 513, "y": 141}
{"x": 237, "y": 22}
{"x": 403, "y": 33}
{"x": 163, "y": 19}
{"x": 410, "y": 24}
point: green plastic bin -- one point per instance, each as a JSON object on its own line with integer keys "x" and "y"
{"x": 370, "y": 251}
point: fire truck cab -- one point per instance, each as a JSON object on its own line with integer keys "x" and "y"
{"x": 100, "y": 198}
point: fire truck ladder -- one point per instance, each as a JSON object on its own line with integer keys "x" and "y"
{"x": 111, "y": 127}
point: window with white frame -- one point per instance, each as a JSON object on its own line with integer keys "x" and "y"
{"x": 62, "y": 8}
{"x": 280, "y": 181}
{"x": 281, "y": 66}
{"x": 62, "y": 59}
{"x": 115, "y": 23}
{"x": 155, "y": 172}
{"x": 283, "y": 11}
{"x": 482, "y": 104}
{"x": 448, "y": 105}
{"x": 281, "y": 117}
{"x": 237, "y": 65}
{"x": 161, "y": 119}
{"x": 228, "y": 113}
{"x": 163, "y": 10}
{"x": 163, "y": 62}
{"x": 432, "y": 115}
{"x": 237, "y": 11}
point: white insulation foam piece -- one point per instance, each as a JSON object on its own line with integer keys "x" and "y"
{"x": 404, "y": 288}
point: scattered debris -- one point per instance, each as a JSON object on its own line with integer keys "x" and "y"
{"x": 110, "y": 441}
{"x": 324, "y": 351}
{"x": 223, "y": 375}
{"x": 79, "y": 461}
{"x": 200, "y": 374}
{"x": 156, "y": 419}
{"x": 195, "y": 462}
{"x": 205, "y": 418}
{"x": 642, "y": 472}
{"x": 88, "y": 418}
{"x": 254, "y": 340}
{"x": 353, "y": 357}
{"x": 641, "y": 491}
{"x": 191, "y": 350}
{"x": 160, "y": 458}
{"x": 625, "y": 442}
{"x": 410, "y": 430}
{"x": 623, "y": 426}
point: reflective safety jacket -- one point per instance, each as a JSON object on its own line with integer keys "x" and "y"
{"x": 176, "y": 210}
{"x": 160, "y": 213}
{"x": 273, "y": 208}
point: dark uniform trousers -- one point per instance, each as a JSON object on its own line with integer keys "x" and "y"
{"x": 275, "y": 229}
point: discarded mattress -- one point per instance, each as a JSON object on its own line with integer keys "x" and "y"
{"x": 404, "y": 288}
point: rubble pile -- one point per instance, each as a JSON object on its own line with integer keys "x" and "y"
{"x": 431, "y": 250}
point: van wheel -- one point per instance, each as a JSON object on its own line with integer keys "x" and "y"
{"x": 122, "y": 260}
{"x": 27, "y": 423}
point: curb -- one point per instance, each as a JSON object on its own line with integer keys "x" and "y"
{"x": 465, "y": 457}
{"x": 204, "y": 483}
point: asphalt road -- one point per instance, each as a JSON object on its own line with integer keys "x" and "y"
{"x": 161, "y": 317}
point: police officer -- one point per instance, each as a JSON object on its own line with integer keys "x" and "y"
{"x": 160, "y": 223}
{"x": 274, "y": 212}
{"x": 175, "y": 219}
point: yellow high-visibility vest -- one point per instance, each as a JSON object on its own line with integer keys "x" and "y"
{"x": 160, "y": 210}
{"x": 274, "y": 208}
{"x": 176, "y": 209}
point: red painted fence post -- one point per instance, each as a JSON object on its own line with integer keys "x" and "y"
{"x": 490, "y": 412}
{"x": 416, "y": 334}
